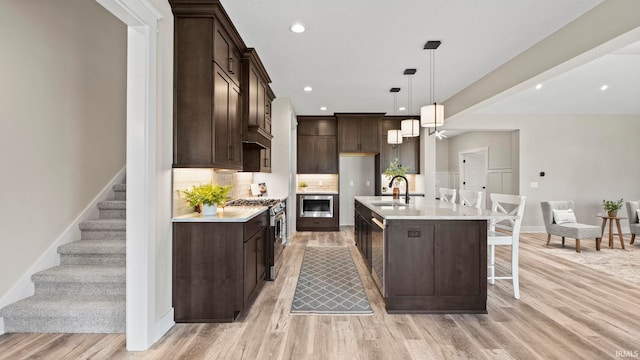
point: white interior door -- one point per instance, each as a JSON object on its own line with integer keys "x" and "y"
{"x": 473, "y": 171}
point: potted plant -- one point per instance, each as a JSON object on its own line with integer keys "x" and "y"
{"x": 612, "y": 207}
{"x": 207, "y": 197}
{"x": 396, "y": 169}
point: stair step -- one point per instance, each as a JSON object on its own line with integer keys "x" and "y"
{"x": 120, "y": 191}
{"x": 103, "y": 229}
{"x": 81, "y": 279}
{"x": 66, "y": 314}
{"x": 94, "y": 252}
{"x": 113, "y": 209}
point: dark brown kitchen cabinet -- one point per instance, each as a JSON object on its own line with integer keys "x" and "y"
{"x": 363, "y": 233}
{"x": 258, "y": 95}
{"x": 265, "y": 160}
{"x": 408, "y": 153}
{"x": 317, "y": 155}
{"x": 226, "y": 54}
{"x": 257, "y": 114}
{"x": 317, "y": 145}
{"x": 218, "y": 268}
{"x": 228, "y": 127}
{"x": 358, "y": 132}
{"x": 207, "y": 101}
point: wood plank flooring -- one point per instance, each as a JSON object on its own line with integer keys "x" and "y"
{"x": 566, "y": 311}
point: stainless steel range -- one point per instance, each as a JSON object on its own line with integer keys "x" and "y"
{"x": 277, "y": 232}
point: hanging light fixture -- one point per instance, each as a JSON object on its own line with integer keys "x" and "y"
{"x": 432, "y": 115}
{"x": 394, "y": 137}
{"x": 410, "y": 127}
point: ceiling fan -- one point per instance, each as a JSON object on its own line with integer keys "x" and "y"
{"x": 439, "y": 134}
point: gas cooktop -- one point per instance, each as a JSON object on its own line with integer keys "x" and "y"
{"x": 256, "y": 201}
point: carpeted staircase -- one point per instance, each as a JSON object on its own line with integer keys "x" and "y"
{"x": 86, "y": 293}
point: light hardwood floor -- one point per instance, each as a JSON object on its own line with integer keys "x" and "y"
{"x": 566, "y": 311}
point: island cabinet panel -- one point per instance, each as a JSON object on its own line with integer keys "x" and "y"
{"x": 410, "y": 259}
{"x": 435, "y": 266}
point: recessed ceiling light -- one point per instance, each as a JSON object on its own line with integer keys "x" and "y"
{"x": 323, "y": 108}
{"x": 402, "y": 108}
{"x": 539, "y": 86}
{"x": 604, "y": 87}
{"x": 297, "y": 28}
{"x": 307, "y": 88}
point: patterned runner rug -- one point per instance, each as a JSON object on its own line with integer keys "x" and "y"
{"x": 329, "y": 283}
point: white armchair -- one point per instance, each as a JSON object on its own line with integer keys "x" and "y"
{"x": 571, "y": 229}
{"x": 632, "y": 215}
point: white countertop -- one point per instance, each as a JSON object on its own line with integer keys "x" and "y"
{"x": 420, "y": 208}
{"x": 230, "y": 214}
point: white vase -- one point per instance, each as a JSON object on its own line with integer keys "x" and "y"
{"x": 208, "y": 210}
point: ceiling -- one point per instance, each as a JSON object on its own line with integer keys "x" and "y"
{"x": 353, "y": 52}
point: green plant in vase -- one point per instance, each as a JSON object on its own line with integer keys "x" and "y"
{"x": 207, "y": 197}
{"x": 612, "y": 206}
{"x": 396, "y": 169}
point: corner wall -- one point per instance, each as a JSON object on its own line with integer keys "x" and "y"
{"x": 62, "y": 121}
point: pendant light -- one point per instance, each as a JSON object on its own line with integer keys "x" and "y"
{"x": 432, "y": 115}
{"x": 410, "y": 127}
{"x": 394, "y": 137}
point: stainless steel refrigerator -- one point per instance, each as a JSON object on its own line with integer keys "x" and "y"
{"x": 357, "y": 178}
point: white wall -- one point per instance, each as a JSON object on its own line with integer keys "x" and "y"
{"x": 498, "y": 143}
{"x": 278, "y": 180}
{"x": 62, "y": 120}
{"x": 585, "y": 159}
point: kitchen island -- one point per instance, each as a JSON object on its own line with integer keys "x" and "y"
{"x": 427, "y": 256}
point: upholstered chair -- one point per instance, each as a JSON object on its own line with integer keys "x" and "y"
{"x": 568, "y": 227}
{"x": 634, "y": 223}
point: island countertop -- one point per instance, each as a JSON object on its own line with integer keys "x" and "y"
{"x": 421, "y": 208}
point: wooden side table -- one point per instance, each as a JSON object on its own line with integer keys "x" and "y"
{"x": 611, "y": 219}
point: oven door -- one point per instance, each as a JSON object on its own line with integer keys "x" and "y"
{"x": 316, "y": 206}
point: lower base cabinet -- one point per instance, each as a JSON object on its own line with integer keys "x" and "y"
{"x": 217, "y": 268}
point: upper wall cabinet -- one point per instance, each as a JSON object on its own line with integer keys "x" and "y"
{"x": 358, "y": 132}
{"x": 207, "y": 98}
{"x": 317, "y": 145}
{"x": 408, "y": 153}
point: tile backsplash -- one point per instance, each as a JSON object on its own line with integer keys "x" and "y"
{"x": 318, "y": 182}
{"x": 184, "y": 179}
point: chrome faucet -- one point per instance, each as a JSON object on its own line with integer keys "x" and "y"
{"x": 406, "y": 195}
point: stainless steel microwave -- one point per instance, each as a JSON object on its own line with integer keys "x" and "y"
{"x": 316, "y": 206}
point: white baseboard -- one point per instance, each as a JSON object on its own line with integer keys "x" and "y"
{"x": 533, "y": 229}
{"x": 50, "y": 258}
{"x": 163, "y": 325}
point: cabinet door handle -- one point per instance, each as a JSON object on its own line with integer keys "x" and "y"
{"x": 231, "y": 65}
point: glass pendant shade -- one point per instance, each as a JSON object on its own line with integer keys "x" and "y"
{"x": 432, "y": 115}
{"x": 394, "y": 137}
{"x": 410, "y": 128}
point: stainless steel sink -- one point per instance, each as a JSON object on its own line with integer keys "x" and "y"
{"x": 395, "y": 204}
